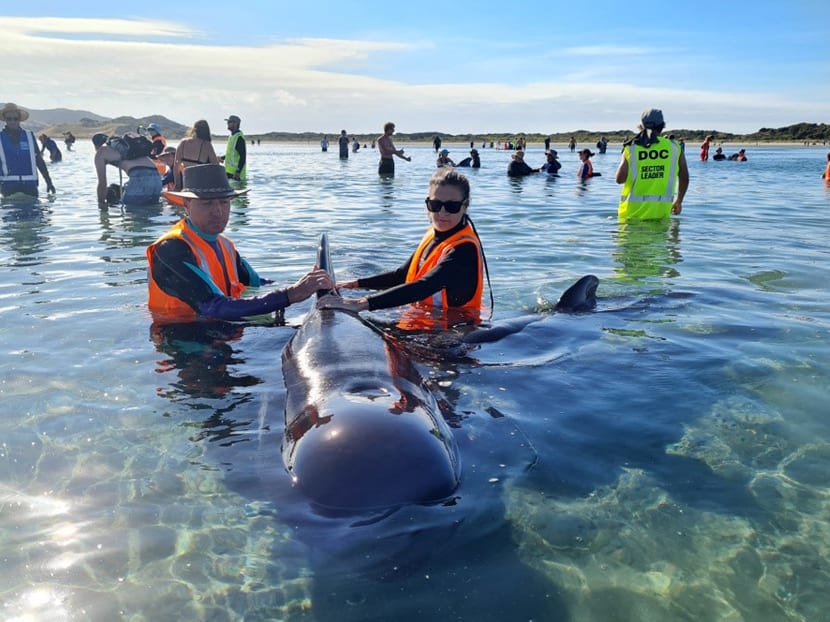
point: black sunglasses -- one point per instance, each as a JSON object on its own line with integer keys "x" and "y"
{"x": 452, "y": 207}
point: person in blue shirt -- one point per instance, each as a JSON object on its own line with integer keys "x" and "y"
{"x": 20, "y": 159}
{"x": 552, "y": 166}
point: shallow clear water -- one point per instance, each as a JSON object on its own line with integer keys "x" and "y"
{"x": 662, "y": 458}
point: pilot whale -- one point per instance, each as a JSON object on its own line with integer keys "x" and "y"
{"x": 578, "y": 298}
{"x": 362, "y": 429}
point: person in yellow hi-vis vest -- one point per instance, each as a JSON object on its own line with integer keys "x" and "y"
{"x": 235, "y": 159}
{"x": 654, "y": 173}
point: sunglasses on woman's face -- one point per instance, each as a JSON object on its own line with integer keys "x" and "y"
{"x": 452, "y": 207}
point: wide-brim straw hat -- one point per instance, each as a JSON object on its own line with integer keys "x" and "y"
{"x": 10, "y": 107}
{"x": 206, "y": 181}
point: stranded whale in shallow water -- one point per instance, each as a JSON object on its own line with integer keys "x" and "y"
{"x": 578, "y": 298}
{"x": 362, "y": 430}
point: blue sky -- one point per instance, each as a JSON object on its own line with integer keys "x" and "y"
{"x": 452, "y": 67}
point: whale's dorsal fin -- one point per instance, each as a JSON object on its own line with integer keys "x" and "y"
{"x": 324, "y": 263}
{"x": 581, "y": 296}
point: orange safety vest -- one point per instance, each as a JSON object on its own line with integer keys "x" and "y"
{"x": 418, "y": 269}
{"x": 206, "y": 259}
{"x": 590, "y": 169}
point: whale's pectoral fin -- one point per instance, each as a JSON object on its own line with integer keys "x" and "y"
{"x": 581, "y": 296}
{"x": 500, "y": 330}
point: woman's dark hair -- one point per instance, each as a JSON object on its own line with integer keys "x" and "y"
{"x": 200, "y": 129}
{"x": 450, "y": 177}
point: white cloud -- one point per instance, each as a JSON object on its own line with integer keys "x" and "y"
{"x": 26, "y": 27}
{"x": 323, "y": 84}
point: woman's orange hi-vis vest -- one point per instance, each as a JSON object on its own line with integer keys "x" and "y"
{"x": 418, "y": 269}
{"x": 206, "y": 259}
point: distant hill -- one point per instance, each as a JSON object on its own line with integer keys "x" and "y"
{"x": 40, "y": 119}
{"x": 83, "y": 123}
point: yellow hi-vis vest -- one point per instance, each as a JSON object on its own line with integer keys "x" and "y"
{"x": 232, "y": 156}
{"x": 648, "y": 191}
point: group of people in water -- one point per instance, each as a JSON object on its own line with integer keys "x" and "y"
{"x": 719, "y": 156}
{"x": 519, "y": 168}
{"x": 148, "y": 170}
{"x": 195, "y": 271}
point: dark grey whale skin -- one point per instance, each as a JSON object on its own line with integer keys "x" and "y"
{"x": 578, "y": 298}
{"x": 362, "y": 429}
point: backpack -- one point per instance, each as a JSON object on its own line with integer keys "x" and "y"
{"x": 131, "y": 145}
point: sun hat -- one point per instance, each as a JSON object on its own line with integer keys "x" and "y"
{"x": 652, "y": 118}
{"x": 473, "y": 151}
{"x": 206, "y": 181}
{"x": 154, "y": 127}
{"x": 553, "y": 153}
{"x": 234, "y": 119}
{"x": 519, "y": 155}
{"x": 10, "y": 107}
{"x": 444, "y": 151}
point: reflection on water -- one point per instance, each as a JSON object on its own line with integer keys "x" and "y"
{"x": 25, "y": 233}
{"x": 203, "y": 357}
{"x": 129, "y": 227}
{"x": 647, "y": 249}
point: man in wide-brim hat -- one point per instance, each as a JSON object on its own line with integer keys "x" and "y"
{"x": 14, "y": 109}
{"x": 20, "y": 159}
{"x": 196, "y": 271}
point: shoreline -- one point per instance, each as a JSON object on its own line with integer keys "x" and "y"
{"x": 560, "y": 147}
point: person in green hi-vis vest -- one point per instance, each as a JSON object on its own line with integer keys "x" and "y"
{"x": 235, "y": 159}
{"x": 653, "y": 172}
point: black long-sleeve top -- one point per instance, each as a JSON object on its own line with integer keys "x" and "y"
{"x": 457, "y": 272}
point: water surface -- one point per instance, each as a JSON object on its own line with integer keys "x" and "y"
{"x": 662, "y": 458}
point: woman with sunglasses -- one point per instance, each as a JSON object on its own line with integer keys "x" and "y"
{"x": 445, "y": 271}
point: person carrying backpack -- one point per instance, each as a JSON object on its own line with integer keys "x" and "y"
{"x": 129, "y": 154}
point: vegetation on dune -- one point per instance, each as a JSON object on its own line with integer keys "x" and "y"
{"x": 84, "y": 124}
